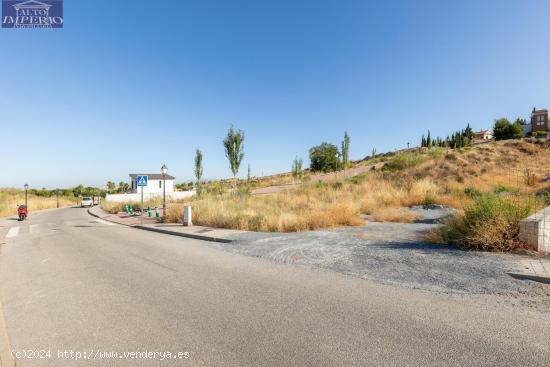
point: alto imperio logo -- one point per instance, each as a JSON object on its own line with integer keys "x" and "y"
{"x": 32, "y": 14}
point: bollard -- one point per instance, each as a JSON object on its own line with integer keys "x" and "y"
{"x": 126, "y": 209}
{"x": 187, "y": 220}
{"x": 150, "y": 212}
{"x": 157, "y": 214}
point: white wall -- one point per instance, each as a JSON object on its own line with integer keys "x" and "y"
{"x": 153, "y": 187}
{"x": 136, "y": 197}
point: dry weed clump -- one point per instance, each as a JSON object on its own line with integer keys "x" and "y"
{"x": 397, "y": 215}
{"x": 489, "y": 223}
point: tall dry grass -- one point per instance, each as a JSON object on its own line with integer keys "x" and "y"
{"x": 312, "y": 206}
{"x": 11, "y": 198}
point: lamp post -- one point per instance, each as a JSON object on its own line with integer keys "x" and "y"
{"x": 26, "y": 189}
{"x": 164, "y": 171}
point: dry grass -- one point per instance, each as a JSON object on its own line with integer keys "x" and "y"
{"x": 312, "y": 206}
{"x": 397, "y": 215}
{"x": 429, "y": 176}
{"x": 11, "y": 198}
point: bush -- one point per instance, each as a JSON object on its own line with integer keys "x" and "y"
{"x": 324, "y": 158}
{"x": 472, "y": 192}
{"x": 402, "y": 161}
{"x": 489, "y": 223}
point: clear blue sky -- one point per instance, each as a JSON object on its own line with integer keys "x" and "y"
{"x": 129, "y": 85}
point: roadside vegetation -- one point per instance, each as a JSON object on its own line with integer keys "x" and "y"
{"x": 492, "y": 186}
{"x": 10, "y": 198}
{"x": 453, "y": 177}
{"x": 490, "y": 223}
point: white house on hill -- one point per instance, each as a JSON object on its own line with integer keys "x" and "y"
{"x": 154, "y": 184}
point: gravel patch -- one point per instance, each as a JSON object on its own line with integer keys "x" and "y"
{"x": 392, "y": 253}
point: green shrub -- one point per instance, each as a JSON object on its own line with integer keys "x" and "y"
{"x": 489, "y": 223}
{"x": 429, "y": 199}
{"x": 404, "y": 160}
{"x": 472, "y": 192}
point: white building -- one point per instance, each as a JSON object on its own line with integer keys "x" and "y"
{"x": 151, "y": 191}
{"x": 154, "y": 184}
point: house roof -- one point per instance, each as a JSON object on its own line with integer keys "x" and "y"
{"x": 152, "y": 176}
{"x": 482, "y": 132}
{"x": 536, "y": 112}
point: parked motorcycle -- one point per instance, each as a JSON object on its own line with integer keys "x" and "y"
{"x": 22, "y": 212}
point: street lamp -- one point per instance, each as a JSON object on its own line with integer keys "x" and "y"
{"x": 164, "y": 171}
{"x": 26, "y": 188}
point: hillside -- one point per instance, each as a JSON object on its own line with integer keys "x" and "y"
{"x": 416, "y": 177}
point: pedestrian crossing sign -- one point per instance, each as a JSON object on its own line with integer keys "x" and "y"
{"x": 142, "y": 180}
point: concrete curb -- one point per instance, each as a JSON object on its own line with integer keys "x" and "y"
{"x": 103, "y": 218}
{"x": 535, "y": 278}
{"x": 164, "y": 231}
{"x": 188, "y": 235}
{"x": 6, "y": 359}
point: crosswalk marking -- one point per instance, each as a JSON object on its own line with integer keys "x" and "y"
{"x": 14, "y": 231}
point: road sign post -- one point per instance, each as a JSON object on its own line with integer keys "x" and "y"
{"x": 142, "y": 180}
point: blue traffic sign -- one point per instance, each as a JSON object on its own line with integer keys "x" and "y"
{"x": 142, "y": 180}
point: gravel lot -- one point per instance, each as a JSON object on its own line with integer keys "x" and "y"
{"x": 391, "y": 253}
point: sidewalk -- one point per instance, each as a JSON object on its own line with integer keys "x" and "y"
{"x": 174, "y": 229}
{"x": 537, "y": 269}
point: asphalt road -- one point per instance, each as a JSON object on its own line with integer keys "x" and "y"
{"x": 70, "y": 282}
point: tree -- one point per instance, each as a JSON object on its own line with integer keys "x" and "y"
{"x": 501, "y": 129}
{"x": 123, "y": 187}
{"x": 77, "y": 191}
{"x": 373, "y": 152}
{"x": 111, "y": 187}
{"x": 248, "y": 174}
{"x": 516, "y": 129}
{"x": 297, "y": 168}
{"x": 198, "y": 165}
{"x": 324, "y": 157}
{"x": 468, "y": 132}
{"x": 234, "y": 149}
{"x": 428, "y": 140}
{"x": 345, "y": 151}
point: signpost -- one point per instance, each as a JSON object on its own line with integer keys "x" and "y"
{"x": 141, "y": 180}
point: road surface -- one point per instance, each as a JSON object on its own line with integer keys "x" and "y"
{"x": 81, "y": 288}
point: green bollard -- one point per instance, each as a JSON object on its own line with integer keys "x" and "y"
{"x": 157, "y": 214}
{"x": 150, "y": 212}
{"x": 126, "y": 209}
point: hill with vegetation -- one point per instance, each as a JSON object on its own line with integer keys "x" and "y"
{"x": 505, "y": 180}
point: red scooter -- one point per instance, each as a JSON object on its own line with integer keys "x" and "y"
{"x": 22, "y": 212}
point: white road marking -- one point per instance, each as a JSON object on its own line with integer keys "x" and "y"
{"x": 14, "y": 231}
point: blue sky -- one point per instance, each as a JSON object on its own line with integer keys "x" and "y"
{"x": 126, "y": 86}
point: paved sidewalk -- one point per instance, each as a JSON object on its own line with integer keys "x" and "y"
{"x": 534, "y": 269}
{"x": 151, "y": 224}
